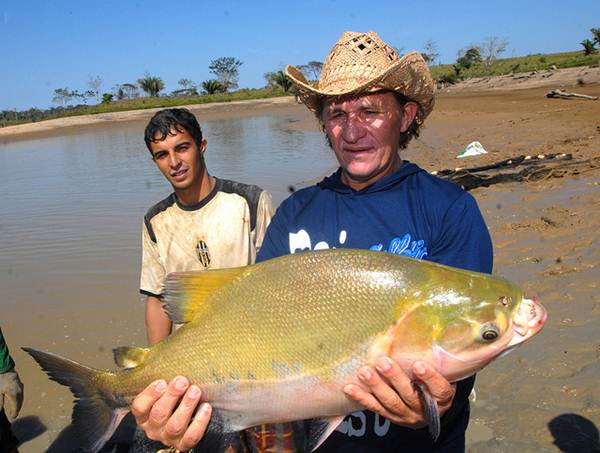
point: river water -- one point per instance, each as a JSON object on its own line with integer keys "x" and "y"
{"x": 72, "y": 205}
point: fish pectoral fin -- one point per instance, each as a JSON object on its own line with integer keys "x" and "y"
{"x": 430, "y": 407}
{"x": 310, "y": 434}
{"x": 186, "y": 292}
{"x": 129, "y": 357}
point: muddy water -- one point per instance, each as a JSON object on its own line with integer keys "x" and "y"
{"x": 72, "y": 205}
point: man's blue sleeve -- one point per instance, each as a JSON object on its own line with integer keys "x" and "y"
{"x": 276, "y": 240}
{"x": 465, "y": 240}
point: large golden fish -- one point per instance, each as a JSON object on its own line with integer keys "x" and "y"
{"x": 278, "y": 341}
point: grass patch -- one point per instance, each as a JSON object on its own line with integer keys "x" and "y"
{"x": 9, "y": 118}
{"x": 529, "y": 63}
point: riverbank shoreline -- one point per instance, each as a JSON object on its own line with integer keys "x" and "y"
{"x": 581, "y": 77}
{"x": 211, "y": 111}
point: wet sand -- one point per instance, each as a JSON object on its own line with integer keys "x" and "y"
{"x": 543, "y": 395}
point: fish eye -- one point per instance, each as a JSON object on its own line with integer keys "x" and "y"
{"x": 489, "y": 332}
{"x": 504, "y": 300}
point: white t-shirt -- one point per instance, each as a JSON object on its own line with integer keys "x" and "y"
{"x": 224, "y": 230}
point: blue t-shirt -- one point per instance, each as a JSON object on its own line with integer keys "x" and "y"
{"x": 408, "y": 212}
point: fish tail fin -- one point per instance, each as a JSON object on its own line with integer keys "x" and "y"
{"x": 97, "y": 412}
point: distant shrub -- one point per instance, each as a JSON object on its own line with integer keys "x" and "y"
{"x": 588, "y": 47}
{"x": 448, "y": 79}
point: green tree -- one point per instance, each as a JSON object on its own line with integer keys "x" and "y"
{"x": 151, "y": 85}
{"x": 107, "y": 98}
{"x": 471, "y": 54}
{"x": 467, "y": 57}
{"x": 83, "y": 96}
{"x": 588, "y": 47}
{"x": 62, "y": 96}
{"x": 463, "y": 62}
{"x": 596, "y": 34}
{"x": 213, "y": 86}
{"x": 226, "y": 69}
{"x": 278, "y": 79}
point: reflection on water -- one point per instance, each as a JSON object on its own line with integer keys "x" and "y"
{"x": 72, "y": 205}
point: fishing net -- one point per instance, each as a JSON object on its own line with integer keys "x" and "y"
{"x": 521, "y": 168}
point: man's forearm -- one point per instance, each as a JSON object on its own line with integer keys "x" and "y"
{"x": 158, "y": 324}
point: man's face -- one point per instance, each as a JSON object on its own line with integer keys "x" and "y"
{"x": 180, "y": 159}
{"x": 364, "y": 132}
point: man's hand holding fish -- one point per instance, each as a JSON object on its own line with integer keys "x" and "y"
{"x": 183, "y": 428}
{"x": 390, "y": 392}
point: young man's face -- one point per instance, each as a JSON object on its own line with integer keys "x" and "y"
{"x": 364, "y": 132}
{"x": 180, "y": 159}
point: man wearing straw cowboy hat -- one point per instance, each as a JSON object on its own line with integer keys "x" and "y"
{"x": 371, "y": 103}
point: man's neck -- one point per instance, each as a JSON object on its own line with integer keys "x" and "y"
{"x": 194, "y": 195}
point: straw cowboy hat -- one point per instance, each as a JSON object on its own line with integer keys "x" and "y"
{"x": 363, "y": 63}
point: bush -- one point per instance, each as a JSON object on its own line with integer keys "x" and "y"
{"x": 449, "y": 79}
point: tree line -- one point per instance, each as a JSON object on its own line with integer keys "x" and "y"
{"x": 225, "y": 71}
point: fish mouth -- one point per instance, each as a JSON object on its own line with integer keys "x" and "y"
{"x": 528, "y": 321}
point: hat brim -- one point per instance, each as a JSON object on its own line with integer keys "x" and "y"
{"x": 408, "y": 76}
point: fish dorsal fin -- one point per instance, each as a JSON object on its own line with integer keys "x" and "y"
{"x": 129, "y": 357}
{"x": 186, "y": 292}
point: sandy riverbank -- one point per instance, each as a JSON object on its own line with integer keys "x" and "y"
{"x": 211, "y": 111}
{"x": 545, "y": 237}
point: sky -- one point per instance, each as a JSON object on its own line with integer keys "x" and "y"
{"x": 49, "y": 44}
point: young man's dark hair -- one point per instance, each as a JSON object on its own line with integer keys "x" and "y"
{"x": 168, "y": 119}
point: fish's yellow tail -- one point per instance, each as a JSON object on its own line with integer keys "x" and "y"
{"x": 97, "y": 412}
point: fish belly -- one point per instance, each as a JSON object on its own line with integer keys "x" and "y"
{"x": 241, "y": 405}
